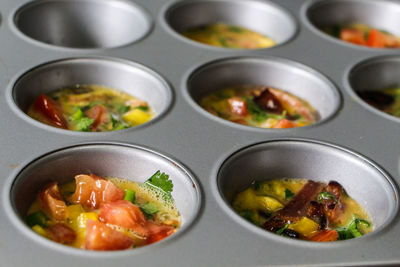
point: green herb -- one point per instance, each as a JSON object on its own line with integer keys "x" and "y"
{"x": 280, "y": 231}
{"x": 77, "y": 115}
{"x": 37, "y": 218}
{"x": 256, "y": 185}
{"x": 326, "y": 195}
{"x": 162, "y": 182}
{"x": 130, "y": 195}
{"x": 223, "y": 41}
{"x": 116, "y": 124}
{"x": 143, "y": 108}
{"x": 83, "y": 124}
{"x": 235, "y": 29}
{"x": 123, "y": 108}
{"x": 288, "y": 194}
{"x": 250, "y": 216}
{"x": 255, "y": 110}
{"x": 352, "y": 231}
{"x": 149, "y": 209}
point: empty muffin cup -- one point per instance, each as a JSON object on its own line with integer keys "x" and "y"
{"x": 263, "y": 17}
{"x": 292, "y": 77}
{"x": 312, "y": 160}
{"x": 128, "y": 77}
{"x": 376, "y": 82}
{"x": 82, "y": 24}
{"x": 103, "y": 159}
{"x": 381, "y": 15}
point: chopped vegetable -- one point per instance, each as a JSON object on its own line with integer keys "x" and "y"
{"x": 229, "y": 36}
{"x": 37, "y": 218}
{"x": 303, "y": 209}
{"x": 326, "y": 195}
{"x": 162, "y": 182}
{"x": 130, "y": 195}
{"x": 259, "y": 106}
{"x": 91, "y": 108}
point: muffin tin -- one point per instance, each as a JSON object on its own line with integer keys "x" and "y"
{"x": 135, "y": 46}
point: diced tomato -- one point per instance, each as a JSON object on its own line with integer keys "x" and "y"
{"x": 237, "y": 106}
{"x": 101, "y": 237}
{"x": 354, "y": 36}
{"x": 61, "y": 233}
{"x": 97, "y": 113}
{"x": 325, "y": 236}
{"x": 92, "y": 190}
{"x": 376, "y": 39}
{"x": 158, "y": 232}
{"x": 125, "y": 214}
{"x": 46, "y": 106}
{"x": 284, "y": 123}
{"x": 52, "y": 202}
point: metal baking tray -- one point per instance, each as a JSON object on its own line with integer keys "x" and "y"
{"x": 134, "y": 45}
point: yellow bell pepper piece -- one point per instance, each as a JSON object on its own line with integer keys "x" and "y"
{"x": 39, "y": 230}
{"x": 83, "y": 217}
{"x": 73, "y": 212}
{"x": 248, "y": 200}
{"x": 305, "y": 227}
{"x": 137, "y": 116}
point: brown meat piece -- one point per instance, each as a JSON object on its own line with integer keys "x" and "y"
{"x": 268, "y": 101}
{"x": 333, "y": 207}
{"x": 61, "y": 233}
{"x": 298, "y": 206}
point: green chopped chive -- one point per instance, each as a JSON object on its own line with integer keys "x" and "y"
{"x": 288, "y": 194}
{"x": 326, "y": 195}
{"x": 37, "y": 218}
{"x": 280, "y": 231}
{"x": 130, "y": 195}
{"x": 143, "y": 108}
{"x": 352, "y": 231}
{"x": 149, "y": 209}
{"x": 235, "y": 29}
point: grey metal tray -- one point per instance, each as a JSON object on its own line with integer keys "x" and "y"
{"x": 134, "y": 46}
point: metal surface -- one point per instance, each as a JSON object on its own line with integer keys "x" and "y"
{"x": 353, "y": 143}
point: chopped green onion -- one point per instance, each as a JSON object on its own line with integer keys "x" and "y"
{"x": 143, "y": 108}
{"x": 130, "y": 195}
{"x": 249, "y": 215}
{"x": 77, "y": 115}
{"x": 149, "y": 209}
{"x": 326, "y": 195}
{"x": 37, "y": 218}
{"x": 280, "y": 231}
{"x": 83, "y": 124}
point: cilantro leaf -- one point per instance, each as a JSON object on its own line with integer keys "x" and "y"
{"x": 162, "y": 182}
{"x": 83, "y": 124}
{"x": 288, "y": 194}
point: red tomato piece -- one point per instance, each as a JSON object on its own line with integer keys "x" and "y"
{"x": 61, "y": 233}
{"x": 101, "y": 237}
{"x": 158, "y": 232}
{"x": 92, "y": 190}
{"x": 354, "y": 36}
{"x": 376, "y": 39}
{"x": 325, "y": 236}
{"x": 125, "y": 214}
{"x": 98, "y": 114}
{"x": 52, "y": 202}
{"x": 284, "y": 123}
{"x": 237, "y": 106}
{"x": 46, "y": 106}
